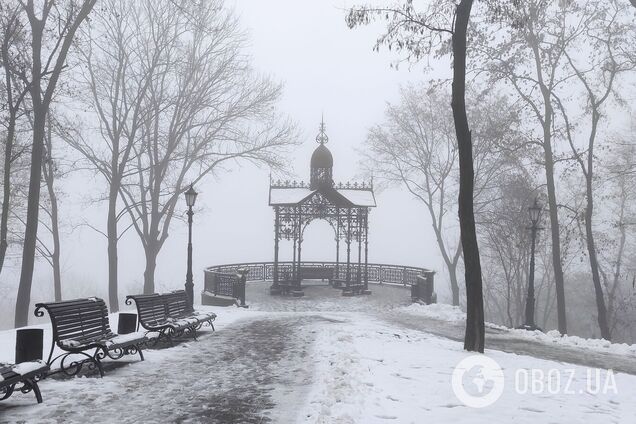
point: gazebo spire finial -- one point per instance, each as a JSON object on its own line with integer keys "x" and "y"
{"x": 322, "y": 138}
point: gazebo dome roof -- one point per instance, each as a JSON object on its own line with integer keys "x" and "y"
{"x": 321, "y": 158}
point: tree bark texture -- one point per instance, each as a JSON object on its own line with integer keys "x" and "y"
{"x": 474, "y": 337}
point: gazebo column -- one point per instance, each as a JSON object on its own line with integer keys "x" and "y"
{"x": 294, "y": 268}
{"x": 300, "y": 241}
{"x": 366, "y": 253}
{"x": 359, "y": 276}
{"x": 298, "y": 266}
{"x": 298, "y": 278}
{"x": 348, "y": 241}
{"x": 336, "y": 272}
{"x": 274, "y": 289}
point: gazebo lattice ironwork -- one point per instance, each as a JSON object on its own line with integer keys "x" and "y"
{"x": 344, "y": 206}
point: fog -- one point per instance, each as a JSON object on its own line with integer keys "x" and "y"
{"x": 328, "y": 70}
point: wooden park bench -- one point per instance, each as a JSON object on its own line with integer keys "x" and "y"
{"x": 26, "y": 373}
{"x": 316, "y": 273}
{"x": 167, "y": 315}
{"x": 80, "y": 327}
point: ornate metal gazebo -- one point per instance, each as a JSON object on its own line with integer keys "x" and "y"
{"x": 344, "y": 206}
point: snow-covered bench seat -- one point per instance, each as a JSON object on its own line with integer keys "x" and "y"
{"x": 27, "y": 373}
{"x": 82, "y": 331}
{"x": 168, "y": 315}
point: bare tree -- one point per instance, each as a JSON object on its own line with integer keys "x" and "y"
{"x": 118, "y": 69}
{"x": 505, "y": 248}
{"x": 203, "y": 107}
{"x": 421, "y": 34}
{"x": 50, "y": 207}
{"x": 606, "y": 34}
{"x": 416, "y": 147}
{"x": 12, "y": 47}
{"x": 617, "y": 235}
{"x": 530, "y": 60}
{"x": 52, "y": 25}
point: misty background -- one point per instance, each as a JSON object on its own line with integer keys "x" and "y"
{"x": 381, "y": 81}
{"x": 326, "y": 69}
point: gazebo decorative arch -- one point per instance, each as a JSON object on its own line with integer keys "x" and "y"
{"x": 344, "y": 206}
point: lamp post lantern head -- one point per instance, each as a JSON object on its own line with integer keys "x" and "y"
{"x": 191, "y": 196}
{"x": 535, "y": 212}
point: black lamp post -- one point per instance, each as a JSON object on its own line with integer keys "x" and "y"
{"x": 191, "y": 197}
{"x": 535, "y": 214}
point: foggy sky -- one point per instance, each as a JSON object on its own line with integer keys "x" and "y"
{"x": 326, "y": 68}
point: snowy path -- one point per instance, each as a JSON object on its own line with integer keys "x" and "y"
{"x": 324, "y": 359}
{"x": 235, "y": 375}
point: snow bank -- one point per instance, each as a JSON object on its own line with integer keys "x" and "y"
{"x": 449, "y": 313}
{"x": 554, "y": 337}
{"x": 440, "y": 311}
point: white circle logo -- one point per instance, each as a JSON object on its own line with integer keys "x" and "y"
{"x": 478, "y": 381}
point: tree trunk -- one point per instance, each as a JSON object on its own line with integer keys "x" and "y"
{"x": 589, "y": 235}
{"x": 151, "y": 264}
{"x": 452, "y": 274}
{"x": 111, "y": 232}
{"x": 33, "y": 208}
{"x": 556, "y": 239}
{"x": 548, "y": 113}
{"x": 611, "y": 316}
{"x": 596, "y": 278}
{"x": 6, "y": 196}
{"x": 57, "y": 274}
{"x": 474, "y": 338}
{"x": 41, "y": 101}
{"x": 48, "y": 172}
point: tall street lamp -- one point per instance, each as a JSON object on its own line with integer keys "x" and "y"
{"x": 191, "y": 197}
{"x": 535, "y": 214}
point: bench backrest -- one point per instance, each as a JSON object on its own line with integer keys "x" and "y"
{"x": 176, "y": 303}
{"x": 151, "y": 308}
{"x": 316, "y": 272}
{"x": 81, "y": 320}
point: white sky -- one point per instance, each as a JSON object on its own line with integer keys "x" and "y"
{"x": 326, "y": 68}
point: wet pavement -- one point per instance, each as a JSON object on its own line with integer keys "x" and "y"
{"x": 236, "y": 375}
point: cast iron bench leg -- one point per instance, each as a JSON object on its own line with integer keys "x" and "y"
{"x": 97, "y": 362}
{"x": 36, "y": 389}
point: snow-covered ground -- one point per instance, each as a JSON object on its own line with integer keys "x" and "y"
{"x": 371, "y": 373}
{"x": 451, "y": 313}
{"x": 324, "y": 359}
